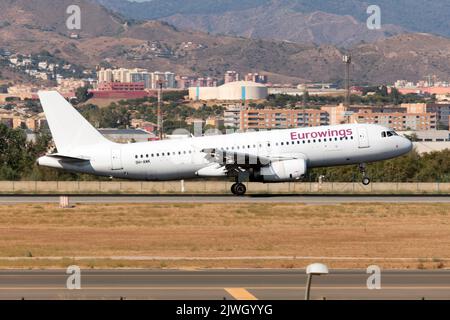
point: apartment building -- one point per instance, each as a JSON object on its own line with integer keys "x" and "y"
{"x": 442, "y": 111}
{"x": 231, "y": 76}
{"x": 414, "y": 117}
{"x": 253, "y": 119}
{"x": 150, "y": 79}
{"x": 399, "y": 121}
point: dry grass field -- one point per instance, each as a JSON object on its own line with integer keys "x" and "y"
{"x": 368, "y": 232}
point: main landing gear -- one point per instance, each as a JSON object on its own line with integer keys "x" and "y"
{"x": 365, "y": 180}
{"x": 238, "y": 189}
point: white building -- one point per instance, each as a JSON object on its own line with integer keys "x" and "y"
{"x": 140, "y": 75}
{"x": 232, "y": 91}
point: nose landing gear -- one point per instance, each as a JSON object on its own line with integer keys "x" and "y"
{"x": 365, "y": 180}
{"x": 238, "y": 189}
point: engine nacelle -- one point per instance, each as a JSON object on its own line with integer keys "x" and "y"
{"x": 283, "y": 171}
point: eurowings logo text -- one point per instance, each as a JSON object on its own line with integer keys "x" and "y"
{"x": 321, "y": 134}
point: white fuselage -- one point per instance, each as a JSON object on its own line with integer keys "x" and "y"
{"x": 181, "y": 159}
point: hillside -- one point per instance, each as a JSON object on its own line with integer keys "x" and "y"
{"x": 160, "y": 46}
{"x": 320, "y": 21}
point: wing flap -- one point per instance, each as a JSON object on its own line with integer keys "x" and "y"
{"x": 245, "y": 159}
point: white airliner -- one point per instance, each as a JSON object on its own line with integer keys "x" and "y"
{"x": 267, "y": 157}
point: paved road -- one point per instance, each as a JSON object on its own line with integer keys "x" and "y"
{"x": 221, "y": 284}
{"x": 325, "y": 199}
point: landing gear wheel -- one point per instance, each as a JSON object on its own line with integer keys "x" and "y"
{"x": 233, "y": 188}
{"x": 366, "y": 181}
{"x": 238, "y": 189}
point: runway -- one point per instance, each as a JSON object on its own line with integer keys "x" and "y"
{"x": 306, "y": 199}
{"x": 222, "y": 284}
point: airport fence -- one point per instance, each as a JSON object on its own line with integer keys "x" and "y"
{"x": 215, "y": 187}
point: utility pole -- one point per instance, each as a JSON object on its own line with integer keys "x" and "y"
{"x": 347, "y": 59}
{"x": 160, "y": 120}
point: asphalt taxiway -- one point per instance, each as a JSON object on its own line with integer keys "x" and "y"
{"x": 222, "y": 284}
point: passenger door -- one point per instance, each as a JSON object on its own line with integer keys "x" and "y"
{"x": 363, "y": 138}
{"x": 116, "y": 159}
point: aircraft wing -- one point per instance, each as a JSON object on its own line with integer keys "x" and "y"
{"x": 243, "y": 159}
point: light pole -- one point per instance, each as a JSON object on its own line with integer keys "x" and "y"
{"x": 314, "y": 269}
{"x": 347, "y": 59}
{"x": 160, "y": 119}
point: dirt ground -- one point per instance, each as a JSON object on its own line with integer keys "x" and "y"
{"x": 342, "y": 236}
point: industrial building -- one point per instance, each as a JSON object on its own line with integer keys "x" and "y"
{"x": 232, "y": 91}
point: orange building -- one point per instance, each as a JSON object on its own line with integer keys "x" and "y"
{"x": 442, "y": 110}
{"x": 399, "y": 121}
{"x": 282, "y": 118}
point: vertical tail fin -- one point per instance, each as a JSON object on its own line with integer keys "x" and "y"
{"x": 69, "y": 129}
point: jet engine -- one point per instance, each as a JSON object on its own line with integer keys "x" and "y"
{"x": 282, "y": 171}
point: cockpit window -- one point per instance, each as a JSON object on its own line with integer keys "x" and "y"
{"x": 392, "y": 133}
{"x": 385, "y": 134}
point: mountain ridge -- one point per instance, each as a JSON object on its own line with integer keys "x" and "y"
{"x": 226, "y": 16}
{"x": 156, "y": 45}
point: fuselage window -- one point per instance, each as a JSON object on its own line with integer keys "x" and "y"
{"x": 146, "y": 155}
{"x": 136, "y": 157}
{"x": 304, "y": 141}
{"x": 383, "y": 134}
{"x": 142, "y": 156}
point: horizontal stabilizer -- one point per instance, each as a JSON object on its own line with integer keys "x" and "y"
{"x": 68, "y": 158}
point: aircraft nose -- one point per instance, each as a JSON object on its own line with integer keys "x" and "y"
{"x": 407, "y": 145}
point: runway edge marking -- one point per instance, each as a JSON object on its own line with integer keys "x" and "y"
{"x": 240, "y": 294}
